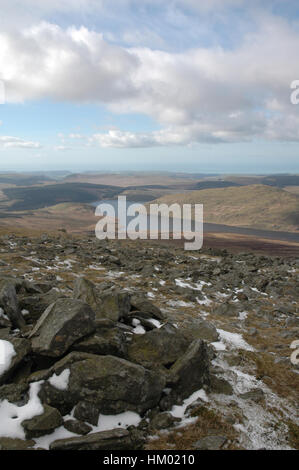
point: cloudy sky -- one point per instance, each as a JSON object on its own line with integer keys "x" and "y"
{"x": 188, "y": 85}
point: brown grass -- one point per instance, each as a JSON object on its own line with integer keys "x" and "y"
{"x": 209, "y": 422}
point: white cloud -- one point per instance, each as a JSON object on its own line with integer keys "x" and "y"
{"x": 201, "y": 95}
{"x": 17, "y": 142}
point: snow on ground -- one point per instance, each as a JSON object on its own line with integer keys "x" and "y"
{"x": 155, "y": 322}
{"x": 230, "y": 340}
{"x": 61, "y": 381}
{"x": 11, "y": 416}
{"x": 105, "y": 423}
{"x": 7, "y": 352}
{"x": 179, "y": 303}
{"x": 260, "y": 426}
{"x": 138, "y": 330}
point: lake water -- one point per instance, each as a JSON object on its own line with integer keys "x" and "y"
{"x": 214, "y": 228}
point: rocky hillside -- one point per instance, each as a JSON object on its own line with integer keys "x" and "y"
{"x": 128, "y": 345}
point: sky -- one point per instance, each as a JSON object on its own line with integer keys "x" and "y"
{"x": 178, "y": 85}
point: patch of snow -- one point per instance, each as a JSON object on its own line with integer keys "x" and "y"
{"x": 138, "y": 330}
{"x": 44, "y": 442}
{"x": 7, "y": 352}
{"x": 122, "y": 420}
{"x": 151, "y": 295}
{"x": 179, "y": 411}
{"x": 179, "y": 303}
{"x": 61, "y": 381}
{"x": 233, "y": 340}
{"x": 155, "y": 322}
{"x": 243, "y": 315}
{"x": 11, "y": 416}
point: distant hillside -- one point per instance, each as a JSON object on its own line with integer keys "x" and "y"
{"x": 256, "y": 206}
{"x": 44, "y": 196}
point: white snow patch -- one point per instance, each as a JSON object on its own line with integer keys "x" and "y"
{"x": 61, "y": 381}
{"x": 178, "y": 411}
{"x": 122, "y": 420}
{"x": 155, "y": 322}
{"x": 138, "y": 330}
{"x": 233, "y": 340}
{"x": 7, "y": 352}
{"x": 11, "y": 416}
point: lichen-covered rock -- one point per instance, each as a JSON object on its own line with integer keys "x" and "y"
{"x": 85, "y": 290}
{"x": 142, "y": 304}
{"x": 77, "y": 427}
{"x": 9, "y": 303}
{"x": 104, "y": 341}
{"x": 191, "y": 371}
{"x": 158, "y": 347}
{"x": 113, "y": 304}
{"x": 116, "y": 439}
{"x": 42, "y": 424}
{"x": 63, "y": 323}
{"x": 115, "y": 385}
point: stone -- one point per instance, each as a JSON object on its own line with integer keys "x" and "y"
{"x": 77, "y": 427}
{"x": 142, "y": 304}
{"x": 85, "y": 290}
{"x": 9, "y": 303}
{"x": 220, "y": 385}
{"x": 158, "y": 347}
{"x": 87, "y": 411}
{"x": 255, "y": 395}
{"x": 116, "y": 439}
{"x": 63, "y": 323}
{"x": 191, "y": 371}
{"x": 114, "y": 385}
{"x": 114, "y": 304}
{"x": 22, "y": 348}
{"x": 42, "y": 424}
{"x": 37, "y": 304}
{"x": 8, "y": 443}
{"x": 210, "y": 443}
{"x": 105, "y": 341}
{"x": 197, "y": 328}
{"x": 163, "y": 421}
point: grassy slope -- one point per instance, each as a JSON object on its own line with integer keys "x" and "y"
{"x": 256, "y": 206}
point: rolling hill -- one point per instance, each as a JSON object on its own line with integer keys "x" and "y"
{"x": 256, "y": 206}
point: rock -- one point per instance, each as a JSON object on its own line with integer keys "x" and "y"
{"x": 158, "y": 347}
{"x": 142, "y": 304}
{"x": 114, "y": 385}
{"x": 22, "y": 348}
{"x": 210, "y": 443}
{"x": 77, "y": 427}
{"x": 197, "y": 328}
{"x": 7, "y": 443}
{"x": 191, "y": 371}
{"x": 225, "y": 308}
{"x": 105, "y": 341}
{"x": 38, "y": 303}
{"x": 113, "y": 304}
{"x": 85, "y": 290}
{"x": 14, "y": 393}
{"x": 87, "y": 411}
{"x": 9, "y": 303}
{"x": 220, "y": 385}
{"x": 255, "y": 395}
{"x": 63, "y": 323}
{"x": 163, "y": 421}
{"x": 116, "y": 439}
{"x": 42, "y": 424}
